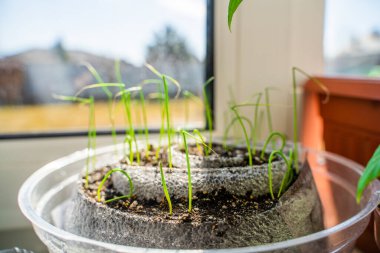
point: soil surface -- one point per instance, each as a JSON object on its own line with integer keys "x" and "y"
{"x": 154, "y": 156}
{"x": 206, "y": 206}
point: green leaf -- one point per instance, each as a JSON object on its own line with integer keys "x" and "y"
{"x": 371, "y": 172}
{"x": 232, "y": 7}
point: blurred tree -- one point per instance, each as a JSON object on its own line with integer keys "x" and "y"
{"x": 170, "y": 54}
{"x": 168, "y": 45}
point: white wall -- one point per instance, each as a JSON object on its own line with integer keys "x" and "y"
{"x": 268, "y": 38}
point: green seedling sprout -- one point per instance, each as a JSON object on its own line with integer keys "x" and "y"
{"x": 126, "y": 103}
{"x": 166, "y": 101}
{"x": 208, "y": 110}
{"x": 287, "y": 179}
{"x": 269, "y": 114}
{"x": 189, "y": 96}
{"x": 91, "y": 142}
{"x": 161, "y": 98}
{"x": 295, "y": 113}
{"x": 119, "y": 79}
{"x": 371, "y": 173}
{"x": 166, "y": 104}
{"x": 229, "y": 126}
{"x": 232, "y": 102}
{"x": 255, "y": 121}
{"x": 197, "y": 133}
{"x": 247, "y": 141}
{"x": 123, "y": 98}
{"x": 105, "y": 86}
{"x": 270, "y": 137}
{"x": 109, "y": 95}
{"x": 162, "y": 131}
{"x": 260, "y": 123}
{"x": 171, "y": 79}
{"x": 165, "y": 188}
{"x": 145, "y": 121}
{"x": 288, "y": 163}
{"x": 109, "y": 173}
{"x": 190, "y": 188}
{"x": 143, "y": 108}
{"x": 126, "y": 98}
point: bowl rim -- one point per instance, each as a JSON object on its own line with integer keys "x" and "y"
{"x": 25, "y": 194}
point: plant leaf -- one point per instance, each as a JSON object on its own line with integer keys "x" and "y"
{"x": 371, "y": 172}
{"x": 232, "y": 7}
{"x": 99, "y": 85}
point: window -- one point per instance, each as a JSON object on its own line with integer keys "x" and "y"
{"x": 352, "y": 37}
{"x": 45, "y": 46}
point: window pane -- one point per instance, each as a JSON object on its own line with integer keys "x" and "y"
{"x": 352, "y": 37}
{"x": 45, "y": 46}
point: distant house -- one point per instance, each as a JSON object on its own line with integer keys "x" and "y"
{"x": 360, "y": 58}
{"x": 12, "y": 78}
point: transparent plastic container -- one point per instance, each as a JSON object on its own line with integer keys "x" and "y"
{"x": 43, "y": 196}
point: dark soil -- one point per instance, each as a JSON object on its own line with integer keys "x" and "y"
{"x": 150, "y": 158}
{"x": 206, "y": 206}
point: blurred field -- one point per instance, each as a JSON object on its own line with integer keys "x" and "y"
{"x": 73, "y": 117}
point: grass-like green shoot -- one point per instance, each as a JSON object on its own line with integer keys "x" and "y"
{"x": 165, "y": 100}
{"x": 109, "y": 95}
{"x": 126, "y": 99}
{"x": 109, "y": 173}
{"x": 295, "y": 111}
{"x": 162, "y": 132}
{"x": 255, "y": 121}
{"x": 92, "y": 133}
{"x": 128, "y": 139}
{"x": 255, "y": 118}
{"x": 269, "y": 114}
{"x": 187, "y": 108}
{"x": 247, "y": 141}
{"x": 91, "y": 141}
{"x": 231, "y": 102}
{"x": 131, "y": 130}
{"x": 231, "y": 124}
{"x": 270, "y": 175}
{"x": 197, "y": 133}
{"x": 270, "y": 137}
{"x": 371, "y": 173}
{"x": 105, "y": 86}
{"x": 160, "y": 96}
{"x": 171, "y": 79}
{"x": 117, "y": 69}
{"x": 145, "y": 121}
{"x": 189, "y": 96}
{"x": 287, "y": 179}
{"x": 208, "y": 110}
{"x": 167, "y": 112}
{"x": 189, "y": 184}
{"x": 165, "y": 188}
{"x": 201, "y": 141}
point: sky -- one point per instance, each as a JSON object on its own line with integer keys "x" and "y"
{"x": 113, "y": 28}
{"x": 347, "y": 18}
{"x": 123, "y": 28}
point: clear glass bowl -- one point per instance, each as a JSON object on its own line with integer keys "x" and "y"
{"x": 44, "y": 194}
